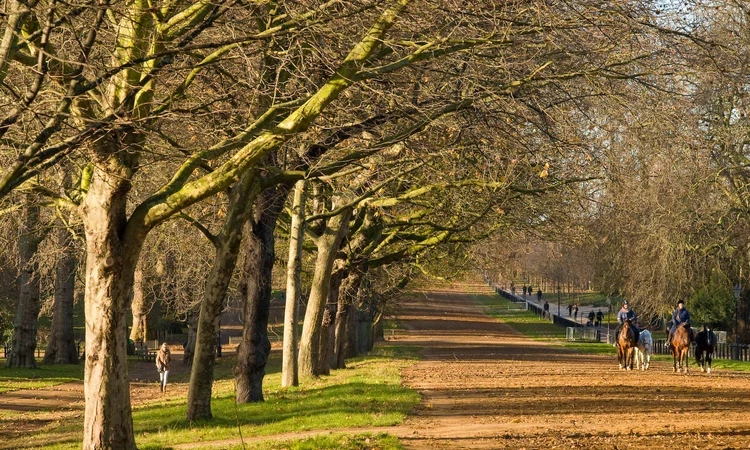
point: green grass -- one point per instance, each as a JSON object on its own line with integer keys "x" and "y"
{"x": 522, "y": 321}
{"x": 334, "y": 441}
{"x": 12, "y": 379}
{"x": 367, "y": 393}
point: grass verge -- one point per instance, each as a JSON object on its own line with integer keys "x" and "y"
{"x": 12, "y": 379}
{"x": 368, "y": 393}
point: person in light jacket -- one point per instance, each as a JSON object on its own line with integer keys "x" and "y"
{"x": 163, "y": 359}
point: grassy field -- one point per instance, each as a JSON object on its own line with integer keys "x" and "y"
{"x": 367, "y": 393}
{"x": 44, "y": 376}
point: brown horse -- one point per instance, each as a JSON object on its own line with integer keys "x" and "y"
{"x": 626, "y": 342}
{"x": 680, "y": 346}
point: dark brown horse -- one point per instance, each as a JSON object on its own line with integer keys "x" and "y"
{"x": 626, "y": 342}
{"x": 680, "y": 346}
{"x": 705, "y": 341}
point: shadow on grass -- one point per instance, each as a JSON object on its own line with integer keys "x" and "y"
{"x": 351, "y": 404}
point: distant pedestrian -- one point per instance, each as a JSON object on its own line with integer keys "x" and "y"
{"x": 524, "y": 290}
{"x": 539, "y": 295}
{"x": 570, "y": 310}
{"x": 599, "y": 317}
{"x": 530, "y": 291}
{"x": 546, "y": 309}
{"x": 163, "y": 359}
{"x": 575, "y": 312}
{"x": 591, "y": 317}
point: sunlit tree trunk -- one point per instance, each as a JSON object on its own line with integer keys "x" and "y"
{"x": 289, "y": 374}
{"x": 328, "y": 244}
{"x": 110, "y": 267}
{"x": 139, "y": 308}
{"x": 227, "y": 248}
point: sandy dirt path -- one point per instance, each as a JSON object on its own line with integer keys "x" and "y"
{"x": 485, "y": 386}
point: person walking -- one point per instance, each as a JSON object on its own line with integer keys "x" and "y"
{"x": 163, "y": 360}
{"x": 575, "y": 313}
{"x": 546, "y": 309}
{"x": 539, "y": 295}
{"x": 591, "y": 318}
{"x": 599, "y": 317}
{"x": 570, "y": 309}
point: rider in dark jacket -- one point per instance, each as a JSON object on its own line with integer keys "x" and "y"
{"x": 680, "y": 316}
{"x": 623, "y": 315}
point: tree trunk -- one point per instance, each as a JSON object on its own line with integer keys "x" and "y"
{"x": 139, "y": 308}
{"x": 227, "y": 248}
{"x": 289, "y": 375}
{"x": 328, "y": 245}
{"x": 253, "y": 351}
{"x": 110, "y": 267}
{"x": 61, "y": 348}
{"x": 347, "y": 294}
{"x": 192, "y": 335}
{"x": 23, "y": 343}
{"x": 324, "y": 345}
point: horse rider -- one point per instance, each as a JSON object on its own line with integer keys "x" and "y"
{"x": 624, "y": 315}
{"x": 680, "y": 316}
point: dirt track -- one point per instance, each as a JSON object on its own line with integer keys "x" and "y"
{"x": 485, "y": 386}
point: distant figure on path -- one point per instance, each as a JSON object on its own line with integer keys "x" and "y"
{"x": 575, "y": 312}
{"x": 524, "y": 290}
{"x": 591, "y": 317}
{"x": 570, "y": 310}
{"x": 539, "y": 295}
{"x": 599, "y": 317}
{"x": 163, "y": 359}
{"x": 546, "y": 309}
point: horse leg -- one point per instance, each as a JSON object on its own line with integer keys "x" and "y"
{"x": 630, "y": 358}
{"x": 620, "y": 356}
{"x": 648, "y": 358}
{"x": 685, "y": 353}
{"x": 709, "y": 357}
{"x": 674, "y": 360}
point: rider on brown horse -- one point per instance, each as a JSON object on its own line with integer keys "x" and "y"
{"x": 624, "y": 315}
{"x": 679, "y": 317}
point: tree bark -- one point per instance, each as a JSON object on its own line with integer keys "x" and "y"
{"x": 139, "y": 308}
{"x": 110, "y": 267}
{"x": 61, "y": 348}
{"x": 289, "y": 374}
{"x": 227, "y": 249}
{"x": 328, "y": 244}
{"x": 347, "y": 294}
{"x": 324, "y": 345}
{"x": 23, "y": 343}
{"x": 253, "y": 351}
